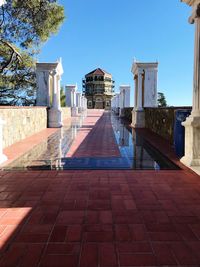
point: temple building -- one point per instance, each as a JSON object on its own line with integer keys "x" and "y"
{"x": 98, "y": 88}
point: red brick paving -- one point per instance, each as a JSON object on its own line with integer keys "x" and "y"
{"x": 99, "y": 218}
{"x": 74, "y": 218}
{"x": 95, "y": 138}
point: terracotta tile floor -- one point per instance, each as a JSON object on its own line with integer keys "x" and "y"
{"x": 95, "y": 138}
{"x": 99, "y": 218}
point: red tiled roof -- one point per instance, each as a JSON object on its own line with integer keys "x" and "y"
{"x": 98, "y": 71}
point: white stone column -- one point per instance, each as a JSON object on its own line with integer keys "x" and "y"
{"x": 139, "y": 100}
{"x": 55, "y": 113}
{"x": 74, "y": 98}
{"x": 85, "y": 103}
{"x": 135, "y": 91}
{"x": 124, "y": 98}
{"x": 145, "y": 79}
{"x": 43, "y": 84}
{"x": 2, "y": 156}
{"x": 78, "y": 102}
{"x": 74, "y": 105}
{"x": 192, "y": 123}
{"x": 58, "y": 90}
{"x": 48, "y": 77}
{"x": 55, "y": 90}
{"x": 68, "y": 97}
{"x": 70, "y": 94}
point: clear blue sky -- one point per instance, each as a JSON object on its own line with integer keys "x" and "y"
{"x": 110, "y": 33}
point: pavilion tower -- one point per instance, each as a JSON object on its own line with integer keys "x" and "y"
{"x": 98, "y": 88}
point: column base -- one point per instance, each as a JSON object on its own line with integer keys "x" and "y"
{"x": 54, "y": 118}
{"x": 192, "y": 141}
{"x": 138, "y": 119}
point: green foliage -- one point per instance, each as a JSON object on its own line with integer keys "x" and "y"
{"x": 161, "y": 100}
{"x": 24, "y": 25}
{"x": 62, "y": 97}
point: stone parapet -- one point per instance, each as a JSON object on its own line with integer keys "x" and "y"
{"x": 161, "y": 121}
{"x": 21, "y": 122}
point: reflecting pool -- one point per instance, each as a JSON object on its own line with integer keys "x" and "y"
{"x": 135, "y": 152}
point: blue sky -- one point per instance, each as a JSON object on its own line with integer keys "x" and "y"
{"x": 110, "y": 33}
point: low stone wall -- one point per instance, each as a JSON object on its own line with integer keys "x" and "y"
{"x": 66, "y": 113}
{"x": 21, "y": 122}
{"x": 161, "y": 121}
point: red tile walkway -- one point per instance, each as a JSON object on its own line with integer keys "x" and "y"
{"x": 95, "y": 138}
{"x": 99, "y": 218}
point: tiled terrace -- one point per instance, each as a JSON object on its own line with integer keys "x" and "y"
{"x": 99, "y": 218}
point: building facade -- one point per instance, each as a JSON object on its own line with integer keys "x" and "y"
{"x": 98, "y": 88}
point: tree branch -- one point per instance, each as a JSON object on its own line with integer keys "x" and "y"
{"x": 14, "y": 54}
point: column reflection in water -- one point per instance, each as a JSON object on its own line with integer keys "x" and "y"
{"x": 124, "y": 136}
{"x": 143, "y": 154}
{"x": 59, "y": 149}
{"x": 137, "y": 150}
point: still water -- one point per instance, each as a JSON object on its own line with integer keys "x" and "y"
{"x": 135, "y": 152}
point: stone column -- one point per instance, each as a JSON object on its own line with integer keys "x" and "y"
{"x": 71, "y": 99}
{"x": 43, "y": 88}
{"x": 55, "y": 90}
{"x": 138, "y": 115}
{"x": 85, "y": 104}
{"x": 139, "y": 100}
{"x": 136, "y": 91}
{"x": 58, "y": 90}
{"x": 2, "y": 156}
{"x": 55, "y": 113}
{"x": 68, "y": 97}
{"x": 192, "y": 123}
{"x": 145, "y": 79}
{"x": 78, "y": 102}
{"x": 125, "y": 98}
{"x": 74, "y": 105}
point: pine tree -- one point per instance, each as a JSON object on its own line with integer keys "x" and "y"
{"x": 24, "y": 26}
{"x": 161, "y": 100}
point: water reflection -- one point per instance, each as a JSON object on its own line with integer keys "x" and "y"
{"x": 136, "y": 152}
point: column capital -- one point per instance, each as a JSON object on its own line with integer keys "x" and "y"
{"x": 195, "y": 4}
{"x": 195, "y": 13}
{"x": 53, "y": 72}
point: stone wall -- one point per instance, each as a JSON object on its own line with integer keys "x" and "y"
{"x": 161, "y": 121}
{"x": 66, "y": 113}
{"x": 21, "y": 122}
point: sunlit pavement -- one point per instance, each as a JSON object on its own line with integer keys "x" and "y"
{"x": 99, "y": 218}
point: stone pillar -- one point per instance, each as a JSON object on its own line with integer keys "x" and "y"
{"x": 2, "y": 156}
{"x": 192, "y": 123}
{"x": 125, "y": 98}
{"x": 85, "y": 103}
{"x": 55, "y": 112}
{"x": 48, "y": 77}
{"x": 68, "y": 96}
{"x": 43, "y": 85}
{"x": 70, "y": 93}
{"x": 78, "y": 102}
{"x": 145, "y": 80}
{"x": 136, "y": 90}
